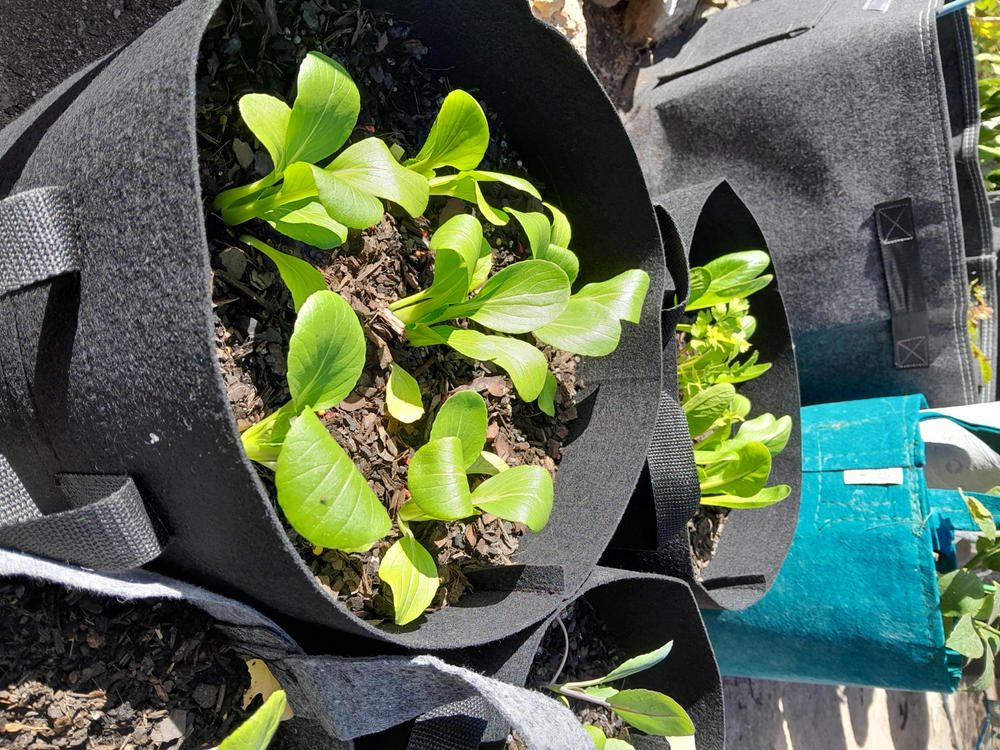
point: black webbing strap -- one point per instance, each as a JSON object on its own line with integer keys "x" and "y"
{"x": 106, "y": 526}
{"x": 455, "y": 726}
{"x": 674, "y": 478}
{"x": 897, "y": 239}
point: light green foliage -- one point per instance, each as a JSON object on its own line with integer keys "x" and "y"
{"x": 970, "y": 606}
{"x": 732, "y": 468}
{"x": 979, "y": 311}
{"x": 256, "y": 732}
{"x": 986, "y": 40}
{"x": 302, "y": 199}
{"x": 410, "y": 572}
{"x": 301, "y": 278}
{"x": 646, "y": 710}
{"x": 323, "y": 495}
{"x": 438, "y": 480}
{"x": 532, "y": 295}
{"x": 402, "y": 395}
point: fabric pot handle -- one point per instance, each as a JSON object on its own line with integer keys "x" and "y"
{"x": 106, "y": 526}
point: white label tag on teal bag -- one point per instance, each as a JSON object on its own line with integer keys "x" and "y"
{"x": 893, "y": 475}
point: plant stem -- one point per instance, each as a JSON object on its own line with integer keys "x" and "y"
{"x": 580, "y": 696}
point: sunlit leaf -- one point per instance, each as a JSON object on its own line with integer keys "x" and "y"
{"x": 309, "y": 223}
{"x": 326, "y": 352}
{"x": 639, "y": 663}
{"x": 267, "y": 117}
{"x": 622, "y": 295}
{"x": 766, "y": 496}
{"x": 961, "y": 593}
{"x": 324, "y": 112}
{"x": 522, "y": 494}
{"x": 256, "y": 732}
{"x": 402, "y": 395}
{"x": 458, "y": 137}
{"x": 652, "y": 712}
{"x": 705, "y": 407}
{"x": 743, "y": 474}
{"x": 546, "y": 399}
{"x": 463, "y": 416}
{"x": 487, "y": 463}
{"x": 411, "y": 573}
{"x": 561, "y": 233}
{"x": 964, "y": 639}
{"x": 323, "y": 495}
{"x": 584, "y": 327}
{"x": 437, "y": 480}
{"x": 262, "y": 441}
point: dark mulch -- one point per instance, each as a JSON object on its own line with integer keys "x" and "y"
{"x": 375, "y": 267}
{"x": 81, "y": 671}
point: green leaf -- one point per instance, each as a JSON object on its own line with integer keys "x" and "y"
{"x": 256, "y": 732}
{"x": 464, "y": 235}
{"x": 458, "y": 137}
{"x": 262, "y": 441}
{"x": 523, "y": 362}
{"x": 350, "y": 187}
{"x": 437, "y": 480}
{"x": 652, "y": 713}
{"x": 324, "y": 112}
{"x": 410, "y": 511}
{"x": 326, "y": 352}
{"x": 522, "y": 494}
{"x": 561, "y": 233}
{"x": 614, "y": 743}
{"x": 402, "y": 396}
{"x": 546, "y": 399}
{"x": 732, "y": 275}
{"x": 767, "y": 496}
{"x": 309, "y": 223}
{"x": 699, "y": 279}
{"x": 562, "y": 257}
{"x": 981, "y": 515}
{"x": 484, "y": 264}
{"x": 986, "y": 679}
{"x": 463, "y": 416}
{"x": 450, "y": 284}
{"x": 639, "y": 663}
{"x": 584, "y": 327}
{"x": 743, "y": 474}
{"x": 411, "y": 573}
{"x": 267, "y": 117}
{"x": 964, "y": 639}
{"x": 301, "y": 278}
{"x": 596, "y": 735}
{"x": 622, "y": 295}
{"x": 705, "y": 407}
{"x": 961, "y": 593}
{"x": 517, "y": 299}
{"x": 989, "y": 609}
{"x": 323, "y": 495}
{"x": 536, "y": 228}
{"x": 773, "y": 433}
{"x": 487, "y": 463}
{"x": 518, "y": 183}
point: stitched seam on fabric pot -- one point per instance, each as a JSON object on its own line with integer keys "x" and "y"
{"x": 927, "y": 36}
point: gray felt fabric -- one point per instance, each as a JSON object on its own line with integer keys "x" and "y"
{"x": 126, "y": 382}
{"x": 710, "y": 219}
{"x": 348, "y": 697}
{"x": 817, "y": 111}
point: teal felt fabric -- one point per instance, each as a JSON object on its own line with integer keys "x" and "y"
{"x": 856, "y": 601}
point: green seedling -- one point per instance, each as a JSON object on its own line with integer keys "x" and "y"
{"x": 438, "y": 481}
{"x": 532, "y": 295}
{"x": 970, "y": 606}
{"x": 322, "y": 494}
{"x": 256, "y": 732}
{"x": 732, "y": 468}
{"x": 299, "y": 198}
{"x": 648, "y": 711}
{"x": 979, "y": 311}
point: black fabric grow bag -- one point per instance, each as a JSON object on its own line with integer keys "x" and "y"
{"x": 108, "y": 355}
{"x": 861, "y": 168}
{"x": 699, "y": 224}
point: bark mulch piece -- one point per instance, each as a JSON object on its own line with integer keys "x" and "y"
{"x": 245, "y": 52}
{"x": 82, "y": 671}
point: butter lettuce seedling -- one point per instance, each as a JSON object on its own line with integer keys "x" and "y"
{"x": 733, "y": 469}
{"x": 528, "y": 296}
{"x": 322, "y": 494}
{"x": 301, "y": 199}
{"x": 458, "y": 140}
{"x": 648, "y": 711}
{"x": 439, "y": 490}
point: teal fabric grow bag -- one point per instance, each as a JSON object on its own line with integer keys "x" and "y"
{"x": 856, "y": 601}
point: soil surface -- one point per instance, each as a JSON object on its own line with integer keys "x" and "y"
{"x": 243, "y": 52}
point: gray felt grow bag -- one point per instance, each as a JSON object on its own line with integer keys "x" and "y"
{"x": 113, "y": 418}
{"x": 701, "y": 223}
{"x": 850, "y": 130}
